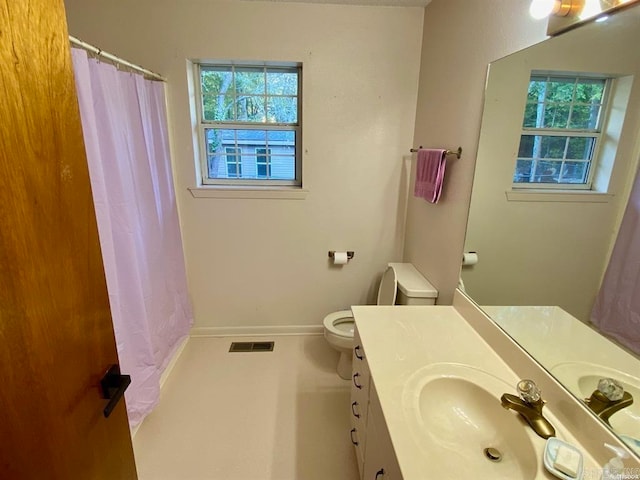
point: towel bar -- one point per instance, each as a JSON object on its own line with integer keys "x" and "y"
{"x": 457, "y": 153}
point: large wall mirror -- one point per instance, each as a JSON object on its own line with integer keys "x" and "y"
{"x": 543, "y": 247}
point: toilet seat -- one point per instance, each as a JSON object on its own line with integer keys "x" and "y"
{"x": 339, "y": 326}
{"x": 338, "y": 330}
{"x": 340, "y": 323}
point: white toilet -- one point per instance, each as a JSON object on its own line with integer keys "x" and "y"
{"x": 401, "y": 284}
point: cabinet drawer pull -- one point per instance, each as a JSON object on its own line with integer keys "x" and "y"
{"x": 357, "y": 352}
{"x": 355, "y": 442}
{"x": 379, "y": 472}
{"x": 355, "y": 377}
{"x": 353, "y": 409}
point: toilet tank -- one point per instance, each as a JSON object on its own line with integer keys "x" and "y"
{"x": 413, "y": 288}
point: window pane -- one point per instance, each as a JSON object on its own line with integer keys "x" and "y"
{"x": 283, "y": 149}
{"x": 281, "y": 137}
{"x": 537, "y": 89}
{"x": 216, "y": 166}
{"x": 283, "y": 167}
{"x": 526, "y": 146}
{"x": 556, "y": 115}
{"x": 251, "y": 138}
{"x": 550, "y": 147}
{"x": 251, "y": 154}
{"x": 216, "y": 80}
{"x": 250, "y": 109}
{"x": 581, "y": 148}
{"x": 282, "y": 83}
{"x": 218, "y": 107}
{"x": 575, "y": 172}
{"x": 542, "y": 146}
{"x": 250, "y": 80}
{"x": 590, "y": 90}
{"x": 585, "y": 116}
{"x": 217, "y": 94}
{"x": 218, "y": 139}
{"x": 282, "y": 109}
{"x": 523, "y": 171}
{"x": 547, "y": 171}
{"x": 560, "y": 89}
{"x": 532, "y": 115}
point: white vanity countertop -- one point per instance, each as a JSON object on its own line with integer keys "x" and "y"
{"x": 398, "y": 341}
{"x": 546, "y": 331}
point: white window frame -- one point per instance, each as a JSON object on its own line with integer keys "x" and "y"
{"x": 203, "y": 125}
{"x": 595, "y": 133}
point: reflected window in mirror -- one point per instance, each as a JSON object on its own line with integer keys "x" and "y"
{"x": 562, "y": 126}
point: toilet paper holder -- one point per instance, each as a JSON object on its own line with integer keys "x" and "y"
{"x": 350, "y": 254}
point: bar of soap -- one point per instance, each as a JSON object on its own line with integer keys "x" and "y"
{"x": 567, "y": 461}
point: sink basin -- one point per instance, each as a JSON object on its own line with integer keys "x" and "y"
{"x": 581, "y": 378}
{"x": 455, "y": 413}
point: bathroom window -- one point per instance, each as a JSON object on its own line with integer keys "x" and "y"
{"x": 561, "y": 131}
{"x": 250, "y": 124}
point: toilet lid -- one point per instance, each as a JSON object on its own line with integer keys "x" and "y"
{"x": 388, "y": 287}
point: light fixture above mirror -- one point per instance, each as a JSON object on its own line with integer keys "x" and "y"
{"x": 564, "y": 15}
{"x": 540, "y": 9}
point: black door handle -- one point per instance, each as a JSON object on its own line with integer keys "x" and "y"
{"x": 113, "y": 386}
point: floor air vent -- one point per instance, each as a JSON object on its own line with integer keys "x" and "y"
{"x": 251, "y": 347}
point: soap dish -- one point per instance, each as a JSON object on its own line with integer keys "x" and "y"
{"x": 550, "y": 454}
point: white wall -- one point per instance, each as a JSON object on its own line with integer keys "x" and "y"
{"x": 461, "y": 38}
{"x": 257, "y": 262}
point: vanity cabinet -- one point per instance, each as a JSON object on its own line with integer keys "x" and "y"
{"x": 379, "y": 459}
{"x": 369, "y": 434}
{"x": 360, "y": 378}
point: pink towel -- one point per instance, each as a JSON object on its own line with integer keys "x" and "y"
{"x": 430, "y": 174}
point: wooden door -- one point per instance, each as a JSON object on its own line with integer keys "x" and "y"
{"x": 56, "y": 334}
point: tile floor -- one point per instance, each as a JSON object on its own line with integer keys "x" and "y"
{"x": 281, "y": 415}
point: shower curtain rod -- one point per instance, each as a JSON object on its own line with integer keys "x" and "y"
{"x": 117, "y": 60}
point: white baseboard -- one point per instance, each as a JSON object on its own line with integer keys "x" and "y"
{"x": 173, "y": 361}
{"x": 257, "y": 331}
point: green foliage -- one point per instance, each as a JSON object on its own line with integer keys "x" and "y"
{"x": 563, "y": 102}
{"x": 249, "y": 94}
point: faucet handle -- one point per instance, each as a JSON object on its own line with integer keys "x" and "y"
{"x": 611, "y": 389}
{"x": 529, "y": 391}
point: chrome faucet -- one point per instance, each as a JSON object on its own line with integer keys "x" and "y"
{"x": 608, "y": 398}
{"x": 529, "y": 406}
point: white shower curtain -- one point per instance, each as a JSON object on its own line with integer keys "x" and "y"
{"x": 125, "y": 132}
